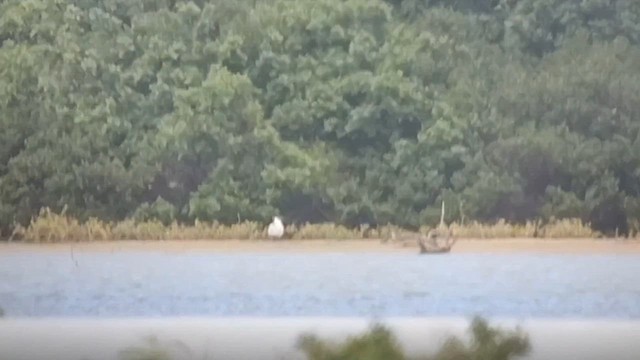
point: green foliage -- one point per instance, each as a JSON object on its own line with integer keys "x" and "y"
{"x": 346, "y": 112}
{"x": 159, "y": 210}
{"x": 154, "y": 349}
{"x": 487, "y": 343}
{"x": 377, "y": 344}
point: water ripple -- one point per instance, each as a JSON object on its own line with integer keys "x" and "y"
{"x": 157, "y": 284}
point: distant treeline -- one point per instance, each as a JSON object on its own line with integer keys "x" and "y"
{"x": 344, "y": 111}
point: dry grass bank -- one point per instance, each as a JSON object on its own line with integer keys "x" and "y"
{"x": 50, "y": 227}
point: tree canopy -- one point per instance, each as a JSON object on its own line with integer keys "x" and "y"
{"x": 350, "y": 111}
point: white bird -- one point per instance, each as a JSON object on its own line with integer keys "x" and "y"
{"x": 276, "y": 228}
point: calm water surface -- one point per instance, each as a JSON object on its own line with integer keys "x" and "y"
{"x": 197, "y": 284}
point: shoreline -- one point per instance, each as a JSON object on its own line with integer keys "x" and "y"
{"x": 508, "y": 245}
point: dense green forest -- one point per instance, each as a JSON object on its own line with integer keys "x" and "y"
{"x": 345, "y": 111}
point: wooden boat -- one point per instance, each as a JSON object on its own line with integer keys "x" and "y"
{"x": 439, "y": 240}
{"x": 436, "y": 242}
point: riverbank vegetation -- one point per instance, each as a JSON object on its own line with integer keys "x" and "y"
{"x": 145, "y": 114}
{"x": 50, "y": 227}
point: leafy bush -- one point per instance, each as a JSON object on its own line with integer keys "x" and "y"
{"x": 487, "y": 343}
{"x": 154, "y": 349}
{"x": 160, "y": 210}
{"x": 378, "y": 343}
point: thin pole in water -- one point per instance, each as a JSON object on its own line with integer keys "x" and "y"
{"x": 442, "y": 215}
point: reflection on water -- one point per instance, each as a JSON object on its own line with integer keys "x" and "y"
{"x": 197, "y": 284}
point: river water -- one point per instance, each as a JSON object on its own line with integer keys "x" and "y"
{"x": 150, "y": 284}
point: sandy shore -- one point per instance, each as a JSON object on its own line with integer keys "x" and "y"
{"x": 527, "y": 245}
